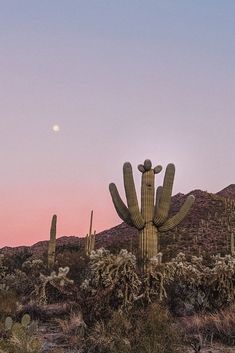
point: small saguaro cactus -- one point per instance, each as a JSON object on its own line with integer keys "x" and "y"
{"x": 52, "y": 243}
{"x": 153, "y": 216}
{"x": 90, "y": 238}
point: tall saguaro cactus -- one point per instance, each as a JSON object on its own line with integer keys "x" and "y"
{"x": 90, "y": 238}
{"x": 152, "y": 218}
{"x": 52, "y": 243}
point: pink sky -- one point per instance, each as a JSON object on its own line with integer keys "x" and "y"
{"x": 125, "y": 81}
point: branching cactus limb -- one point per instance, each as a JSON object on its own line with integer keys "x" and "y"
{"x": 90, "y": 238}
{"x": 164, "y": 203}
{"x": 52, "y": 243}
{"x": 58, "y": 281}
{"x": 178, "y": 217}
{"x": 152, "y": 217}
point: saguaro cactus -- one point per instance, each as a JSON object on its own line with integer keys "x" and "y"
{"x": 153, "y": 216}
{"x": 90, "y": 238}
{"x": 52, "y": 243}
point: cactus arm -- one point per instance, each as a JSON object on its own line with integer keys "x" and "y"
{"x": 141, "y": 168}
{"x": 178, "y": 217}
{"x": 131, "y": 196}
{"x": 161, "y": 212}
{"x": 158, "y": 197}
{"x": 157, "y": 169}
{"x": 119, "y": 205}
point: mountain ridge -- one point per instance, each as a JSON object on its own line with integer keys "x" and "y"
{"x": 206, "y": 229}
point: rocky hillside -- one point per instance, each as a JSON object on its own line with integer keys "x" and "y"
{"x": 206, "y": 230}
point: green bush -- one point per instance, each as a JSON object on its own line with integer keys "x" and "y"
{"x": 76, "y": 261}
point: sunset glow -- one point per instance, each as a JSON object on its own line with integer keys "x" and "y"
{"x": 86, "y": 86}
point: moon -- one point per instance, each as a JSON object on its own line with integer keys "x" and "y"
{"x": 56, "y": 128}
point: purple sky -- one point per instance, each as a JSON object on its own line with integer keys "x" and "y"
{"x": 125, "y": 81}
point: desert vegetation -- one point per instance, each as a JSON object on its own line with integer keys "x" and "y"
{"x": 107, "y": 297}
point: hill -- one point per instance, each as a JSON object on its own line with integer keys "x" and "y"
{"x": 206, "y": 230}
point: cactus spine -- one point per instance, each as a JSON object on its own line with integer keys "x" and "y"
{"x": 153, "y": 216}
{"x": 52, "y": 243}
{"x": 90, "y": 238}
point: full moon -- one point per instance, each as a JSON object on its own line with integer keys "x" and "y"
{"x": 56, "y": 128}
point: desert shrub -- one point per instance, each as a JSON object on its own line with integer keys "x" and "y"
{"x": 3, "y": 267}
{"x": 145, "y": 330}
{"x": 73, "y": 328}
{"x": 112, "y": 336}
{"x": 34, "y": 267}
{"x": 69, "y": 247}
{"x": 116, "y": 244}
{"x": 155, "y": 331}
{"x": 219, "y": 325}
{"x": 8, "y": 303}
{"x": 20, "y": 282}
{"x": 35, "y": 311}
{"x": 15, "y": 261}
{"x": 76, "y": 261}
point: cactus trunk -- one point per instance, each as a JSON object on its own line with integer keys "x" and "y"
{"x": 52, "y": 243}
{"x": 90, "y": 238}
{"x": 148, "y": 242}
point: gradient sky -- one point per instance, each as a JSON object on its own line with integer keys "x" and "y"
{"x": 125, "y": 80}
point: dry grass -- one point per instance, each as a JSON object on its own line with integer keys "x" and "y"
{"x": 8, "y": 303}
{"x": 73, "y": 329}
{"x": 148, "y": 330}
{"x": 73, "y": 325}
{"x": 219, "y": 325}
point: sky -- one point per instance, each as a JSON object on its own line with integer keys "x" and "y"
{"x": 125, "y": 80}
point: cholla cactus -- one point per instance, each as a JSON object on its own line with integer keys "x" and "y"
{"x": 58, "y": 281}
{"x": 222, "y": 277}
{"x": 114, "y": 282}
{"x": 200, "y": 285}
{"x": 153, "y": 216}
{"x": 52, "y": 243}
{"x": 112, "y": 276}
{"x": 90, "y": 239}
